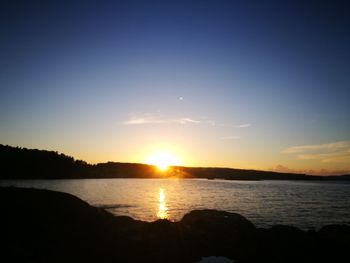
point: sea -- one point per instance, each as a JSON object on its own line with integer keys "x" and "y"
{"x": 304, "y": 204}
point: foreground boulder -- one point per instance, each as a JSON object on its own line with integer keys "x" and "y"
{"x": 212, "y": 232}
{"x": 48, "y": 226}
{"x": 285, "y": 244}
{"x": 335, "y": 239}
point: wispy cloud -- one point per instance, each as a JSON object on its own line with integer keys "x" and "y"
{"x": 326, "y": 146}
{"x": 155, "y": 119}
{"x": 142, "y": 120}
{"x": 231, "y": 137}
{"x": 338, "y": 152}
{"x": 244, "y": 125}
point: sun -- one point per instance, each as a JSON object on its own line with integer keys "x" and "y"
{"x": 163, "y": 159}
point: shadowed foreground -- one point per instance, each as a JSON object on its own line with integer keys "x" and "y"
{"x": 48, "y": 226}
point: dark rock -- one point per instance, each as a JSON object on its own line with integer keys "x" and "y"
{"x": 212, "y": 232}
{"x": 44, "y": 226}
{"x": 336, "y": 234}
{"x": 335, "y": 242}
{"x": 48, "y": 226}
{"x": 285, "y": 244}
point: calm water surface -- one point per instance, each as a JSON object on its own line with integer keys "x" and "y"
{"x": 302, "y": 204}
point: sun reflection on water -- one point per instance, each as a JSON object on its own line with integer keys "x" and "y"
{"x": 162, "y": 208}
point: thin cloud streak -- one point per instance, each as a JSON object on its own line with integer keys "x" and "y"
{"x": 326, "y": 146}
{"x": 151, "y": 119}
{"x": 245, "y": 125}
{"x": 334, "y": 152}
{"x": 155, "y": 119}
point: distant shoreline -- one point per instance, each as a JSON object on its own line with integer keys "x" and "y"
{"x": 22, "y": 163}
{"x": 174, "y": 178}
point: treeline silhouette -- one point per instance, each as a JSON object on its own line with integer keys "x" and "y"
{"x": 23, "y": 163}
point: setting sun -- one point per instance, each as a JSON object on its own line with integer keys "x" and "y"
{"x": 162, "y": 159}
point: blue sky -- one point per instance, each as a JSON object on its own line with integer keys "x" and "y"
{"x": 219, "y": 83}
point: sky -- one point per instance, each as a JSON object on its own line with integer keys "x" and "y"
{"x": 242, "y": 84}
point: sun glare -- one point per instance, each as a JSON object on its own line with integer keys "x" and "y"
{"x": 162, "y": 159}
{"x": 162, "y": 209}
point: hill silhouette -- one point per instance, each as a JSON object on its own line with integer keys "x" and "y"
{"x": 23, "y": 163}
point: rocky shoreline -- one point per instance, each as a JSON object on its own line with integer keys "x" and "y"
{"x": 48, "y": 226}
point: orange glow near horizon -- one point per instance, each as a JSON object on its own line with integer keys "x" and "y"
{"x": 162, "y": 160}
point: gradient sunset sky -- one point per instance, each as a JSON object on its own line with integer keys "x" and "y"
{"x": 244, "y": 84}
